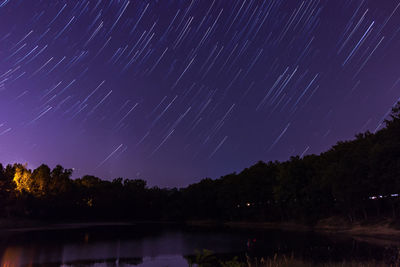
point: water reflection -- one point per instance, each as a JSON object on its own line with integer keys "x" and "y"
{"x": 12, "y": 257}
{"x": 152, "y": 245}
{"x": 19, "y": 256}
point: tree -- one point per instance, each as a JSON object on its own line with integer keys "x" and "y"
{"x": 60, "y": 180}
{"x": 394, "y": 116}
{"x": 22, "y": 178}
{"x": 40, "y": 181}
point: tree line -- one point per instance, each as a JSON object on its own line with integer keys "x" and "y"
{"x": 356, "y": 180}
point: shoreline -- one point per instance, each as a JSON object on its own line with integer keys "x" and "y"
{"x": 372, "y": 232}
{"x": 363, "y": 231}
{"x": 30, "y": 225}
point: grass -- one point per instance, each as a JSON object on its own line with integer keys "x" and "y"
{"x": 207, "y": 258}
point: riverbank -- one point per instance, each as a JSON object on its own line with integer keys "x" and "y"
{"x": 382, "y": 229}
{"x": 32, "y": 225}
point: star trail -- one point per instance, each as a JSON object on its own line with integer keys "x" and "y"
{"x": 177, "y": 90}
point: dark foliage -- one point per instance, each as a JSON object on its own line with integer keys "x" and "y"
{"x": 358, "y": 180}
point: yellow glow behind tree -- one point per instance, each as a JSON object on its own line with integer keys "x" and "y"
{"x": 22, "y": 178}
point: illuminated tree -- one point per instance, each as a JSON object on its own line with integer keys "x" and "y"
{"x": 22, "y": 178}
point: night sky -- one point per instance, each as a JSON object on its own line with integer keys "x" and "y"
{"x": 172, "y": 91}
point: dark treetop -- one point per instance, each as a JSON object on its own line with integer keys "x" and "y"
{"x": 355, "y": 180}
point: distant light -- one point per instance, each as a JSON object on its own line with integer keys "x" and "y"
{"x": 248, "y": 204}
{"x": 384, "y": 196}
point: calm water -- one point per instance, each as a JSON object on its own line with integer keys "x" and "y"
{"x": 156, "y": 245}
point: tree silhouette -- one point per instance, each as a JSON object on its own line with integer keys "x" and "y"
{"x": 356, "y": 179}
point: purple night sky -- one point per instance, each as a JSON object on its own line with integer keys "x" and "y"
{"x": 172, "y": 91}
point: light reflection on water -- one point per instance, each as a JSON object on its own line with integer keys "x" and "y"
{"x": 18, "y": 256}
{"x": 108, "y": 246}
{"x": 21, "y": 257}
{"x": 156, "y": 246}
{"x": 164, "y": 260}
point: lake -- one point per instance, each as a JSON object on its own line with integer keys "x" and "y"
{"x": 157, "y": 245}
